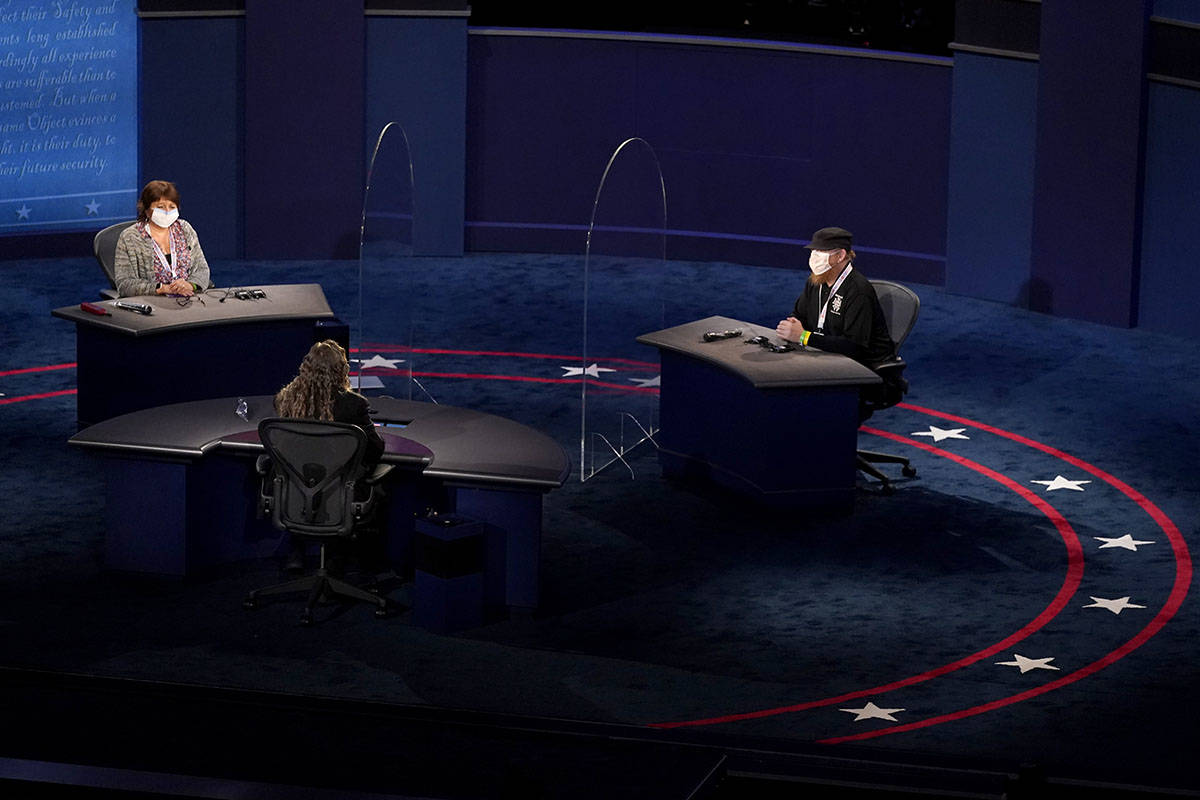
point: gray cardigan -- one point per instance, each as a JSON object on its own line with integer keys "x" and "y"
{"x": 133, "y": 267}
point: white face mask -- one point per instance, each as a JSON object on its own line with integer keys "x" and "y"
{"x": 818, "y": 262}
{"x": 163, "y": 218}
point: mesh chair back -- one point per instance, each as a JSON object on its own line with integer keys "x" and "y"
{"x": 104, "y": 247}
{"x": 900, "y": 308}
{"x": 314, "y": 465}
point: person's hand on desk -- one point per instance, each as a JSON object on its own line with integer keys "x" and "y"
{"x": 180, "y": 286}
{"x": 791, "y": 330}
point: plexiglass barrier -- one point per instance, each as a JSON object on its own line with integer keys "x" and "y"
{"x": 381, "y": 361}
{"x": 441, "y": 329}
{"x": 624, "y": 279}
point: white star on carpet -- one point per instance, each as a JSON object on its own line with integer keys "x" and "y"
{"x": 1115, "y": 606}
{"x": 378, "y": 361}
{"x": 872, "y": 711}
{"x": 646, "y": 383}
{"x": 1060, "y": 482}
{"x": 942, "y": 433}
{"x": 1027, "y": 664}
{"x": 23, "y": 211}
{"x": 594, "y": 371}
{"x": 92, "y": 207}
{"x": 1126, "y": 542}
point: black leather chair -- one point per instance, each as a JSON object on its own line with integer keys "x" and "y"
{"x": 104, "y": 247}
{"x": 900, "y": 309}
{"x": 311, "y": 474}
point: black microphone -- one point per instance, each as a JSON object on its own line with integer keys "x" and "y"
{"x": 140, "y": 308}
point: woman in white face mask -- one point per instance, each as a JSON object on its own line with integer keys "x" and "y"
{"x": 838, "y": 311}
{"x": 160, "y": 253}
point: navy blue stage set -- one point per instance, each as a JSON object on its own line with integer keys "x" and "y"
{"x": 633, "y": 543}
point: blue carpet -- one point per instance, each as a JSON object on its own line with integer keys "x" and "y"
{"x": 666, "y": 605}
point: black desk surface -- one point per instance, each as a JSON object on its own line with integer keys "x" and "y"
{"x": 444, "y": 442}
{"x": 285, "y": 301}
{"x": 764, "y": 369}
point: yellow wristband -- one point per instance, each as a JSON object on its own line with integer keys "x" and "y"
{"x": 804, "y": 338}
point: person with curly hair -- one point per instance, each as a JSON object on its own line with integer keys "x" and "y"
{"x": 321, "y": 391}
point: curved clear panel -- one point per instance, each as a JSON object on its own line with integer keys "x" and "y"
{"x": 438, "y": 329}
{"x": 624, "y": 276}
{"x": 382, "y": 339}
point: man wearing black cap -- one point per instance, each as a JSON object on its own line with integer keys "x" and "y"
{"x": 838, "y": 312}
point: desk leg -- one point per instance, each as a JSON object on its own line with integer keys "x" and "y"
{"x": 146, "y": 510}
{"x": 176, "y": 518}
{"x": 514, "y": 542}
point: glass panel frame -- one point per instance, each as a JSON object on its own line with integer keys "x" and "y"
{"x": 624, "y": 277}
{"x": 381, "y": 342}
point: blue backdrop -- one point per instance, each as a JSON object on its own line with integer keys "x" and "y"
{"x": 68, "y": 114}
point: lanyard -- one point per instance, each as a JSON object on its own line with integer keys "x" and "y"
{"x": 167, "y": 271}
{"x": 836, "y": 285}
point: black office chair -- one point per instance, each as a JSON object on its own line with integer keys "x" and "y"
{"x": 310, "y": 476}
{"x": 900, "y": 309}
{"x": 104, "y": 247}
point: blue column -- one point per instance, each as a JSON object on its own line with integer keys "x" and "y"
{"x": 304, "y": 118}
{"x": 190, "y": 122}
{"x": 989, "y": 223}
{"x": 1088, "y": 175}
{"x": 416, "y": 75}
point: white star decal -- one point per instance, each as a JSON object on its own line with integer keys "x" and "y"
{"x": 594, "y": 371}
{"x": 1027, "y": 664}
{"x": 23, "y": 211}
{"x": 942, "y": 433}
{"x": 1115, "y": 606}
{"x": 646, "y": 383}
{"x": 378, "y": 361}
{"x": 1060, "y": 482}
{"x": 93, "y": 207}
{"x": 872, "y": 711}
{"x": 1126, "y": 542}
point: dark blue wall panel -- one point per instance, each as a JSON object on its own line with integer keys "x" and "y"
{"x": 990, "y": 219}
{"x": 1170, "y": 249}
{"x": 1090, "y": 116}
{"x": 190, "y": 122}
{"x": 758, "y": 147}
{"x": 304, "y": 128}
{"x": 543, "y": 117}
{"x": 417, "y": 76}
{"x": 1186, "y": 10}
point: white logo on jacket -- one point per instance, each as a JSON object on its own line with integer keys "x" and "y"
{"x": 835, "y": 305}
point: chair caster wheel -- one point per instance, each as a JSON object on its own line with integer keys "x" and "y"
{"x": 887, "y": 488}
{"x": 382, "y": 613}
{"x": 909, "y": 472}
{"x": 249, "y": 604}
{"x": 306, "y": 620}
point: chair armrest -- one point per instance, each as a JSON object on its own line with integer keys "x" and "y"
{"x": 262, "y": 464}
{"x": 380, "y": 472}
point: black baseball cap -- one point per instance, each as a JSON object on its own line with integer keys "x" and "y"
{"x": 831, "y": 239}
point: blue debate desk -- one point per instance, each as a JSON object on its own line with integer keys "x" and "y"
{"x": 202, "y": 349}
{"x": 781, "y": 428}
{"x": 182, "y": 489}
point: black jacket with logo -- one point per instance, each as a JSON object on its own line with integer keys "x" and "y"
{"x": 854, "y": 323}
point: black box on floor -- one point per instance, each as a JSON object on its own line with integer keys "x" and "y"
{"x": 448, "y": 576}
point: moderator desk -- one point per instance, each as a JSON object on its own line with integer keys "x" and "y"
{"x": 780, "y": 427}
{"x": 207, "y": 348}
{"x": 181, "y": 485}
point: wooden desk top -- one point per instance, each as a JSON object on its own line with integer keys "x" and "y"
{"x": 444, "y": 442}
{"x": 803, "y": 367}
{"x": 284, "y": 301}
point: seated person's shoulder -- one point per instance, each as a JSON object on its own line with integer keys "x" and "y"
{"x": 350, "y": 401}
